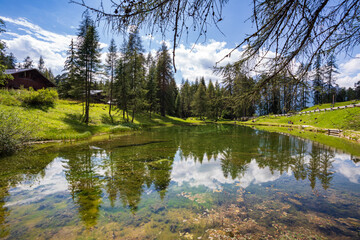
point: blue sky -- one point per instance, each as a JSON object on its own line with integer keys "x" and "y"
{"x": 45, "y": 27}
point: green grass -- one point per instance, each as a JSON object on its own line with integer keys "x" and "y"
{"x": 329, "y": 105}
{"x": 339, "y": 143}
{"x": 347, "y": 120}
{"x": 63, "y": 121}
{"x": 337, "y": 119}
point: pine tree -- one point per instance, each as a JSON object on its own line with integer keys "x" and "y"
{"x": 134, "y": 66}
{"x": 357, "y": 90}
{"x": 330, "y": 72}
{"x": 186, "y": 98}
{"x": 28, "y": 63}
{"x": 71, "y": 86}
{"x": 89, "y": 57}
{"x": 200, "y": 100}
{"x": 110, "y": 67}
{"x": 41, "y": 65}
{"x": 211, "y": 96}
{"x": 304, "y": 90}
{"x": 178, "y": 106}
{"x": 151, "y": 86}
{"x": 122, "y": 88}
{"x": 218, "y": 100}
{"x": 318, "y": 84}
{"x": 164, "y": 75}
{"x": 173, "y": 92}
{"x": 49, "y": 75}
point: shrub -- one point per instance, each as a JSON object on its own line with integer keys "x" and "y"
{"x": 42, "y": 97}
{"x": 10, "y": 97}
{"x": 13, "y": 132}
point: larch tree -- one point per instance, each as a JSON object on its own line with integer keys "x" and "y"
{"x": 111, "y": 60}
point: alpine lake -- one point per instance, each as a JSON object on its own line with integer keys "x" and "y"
{"x": 193, "y": 182}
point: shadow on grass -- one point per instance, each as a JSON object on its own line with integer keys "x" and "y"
{"x": 75, "y": 122}
{"x": 145, "y": 120}
{"x": 42, "y": 107}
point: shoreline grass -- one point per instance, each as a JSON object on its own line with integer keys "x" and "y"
{"x": 63, "y": 120}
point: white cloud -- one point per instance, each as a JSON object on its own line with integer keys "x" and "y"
{"x": 352, "y": 66}
{"x": 349, "y": 72}
{"x": 28, "y": 39}
{"x": 348, "y": 81}
{"x": 210, "y": 174}
{"x": 202, "y": 58}
{"x": 52, "y": 182}
{"x": 346, "y": 167}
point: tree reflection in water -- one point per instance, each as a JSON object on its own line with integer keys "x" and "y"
{"x": 125, "y": 169}
{"x": 29, "y": 167}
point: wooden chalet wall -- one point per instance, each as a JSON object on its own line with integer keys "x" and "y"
{"x": 27, "y": 78}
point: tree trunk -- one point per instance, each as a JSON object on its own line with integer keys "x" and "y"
{"x": 111, "y": 88}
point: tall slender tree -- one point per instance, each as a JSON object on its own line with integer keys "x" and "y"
{"x": 41, "y": 64}
{"x": 331, "y": 69}
{"x": 70, "y": 86}
{"x": 151, "y": 86}
{"x": 164, "y": 75}
{"x": 111, "y": 59}
{"x": 122, "y": 88}
{"x": 318, "y": 84}
{"x": 134, "y": 66}
{"x": 89, "y": 55}
{"x": 200, "y": 101}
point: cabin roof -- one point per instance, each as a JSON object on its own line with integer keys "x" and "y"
{"x": 14, "y": 71}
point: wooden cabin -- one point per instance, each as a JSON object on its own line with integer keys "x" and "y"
{"x": 27, "y": 78}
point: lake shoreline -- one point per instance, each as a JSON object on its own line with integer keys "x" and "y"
{"x": 342, "y": 142}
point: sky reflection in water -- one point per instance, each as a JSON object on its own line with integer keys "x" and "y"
{"x": 150, "y": 180}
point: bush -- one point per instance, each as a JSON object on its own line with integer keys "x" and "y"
{"x": 42, "y": 97}
{"x": 13, "y": 132}
{"x": 10, "y": 97}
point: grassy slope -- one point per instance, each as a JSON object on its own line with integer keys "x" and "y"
{"x": 345, "y": 119}
{"x": 329, "y": 105}
{"x": 63, "y": 120}
{"x": 337, "y": 119}
{"x": 335, "y": 142}
{"x": 348, "y": 119}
